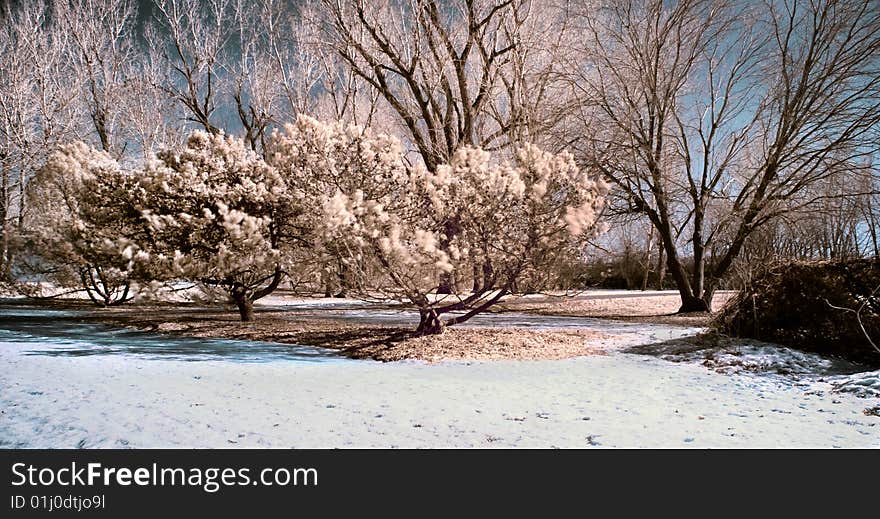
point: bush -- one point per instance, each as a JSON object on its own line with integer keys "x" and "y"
{"x": 794, "y": 304}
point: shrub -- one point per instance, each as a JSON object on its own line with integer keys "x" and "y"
{"x": 811, "y": 306}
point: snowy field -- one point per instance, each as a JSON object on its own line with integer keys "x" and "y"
{"x": 68, "y": 386}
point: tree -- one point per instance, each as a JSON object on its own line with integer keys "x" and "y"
{"x": 712, "y": 119}
{"x": 514, "y": 218}
{"x": 321, "y": 159}
{"x": 215, "y": 213}
{"x": 38, "y": 108}
{"x": 437, "y": 67}
{"x": 80, "y": 228}
{"x": 195, "y": 51}
{"x": 455, "y": 74}
{"x": 103, "y": 50}
{"x": 282, "y": 69}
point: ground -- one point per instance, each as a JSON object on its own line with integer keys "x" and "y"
{"x": 384, "y": 332}
{"x": 606, "y": 401}
{"x": 635, "y": 306}
{"x": 65, "y": 383}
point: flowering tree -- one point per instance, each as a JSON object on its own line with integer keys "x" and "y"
{"x": 217, "y": 214}
{"x": 513, "y": 218}
{"x": 79, "y": 226}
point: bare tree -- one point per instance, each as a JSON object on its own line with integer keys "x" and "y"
{"x": 193, "y": 41}
{"x": 282, "y": 68}
{"x": 257, "y": 70}
{"x": 437, "y": 66}
{"x": 37, "y": 105}
{"x": 713, "y": 118}
{"x": 835, "y": 226}
{"x": 103, "y": 55}
{"x": 152, "y": 117}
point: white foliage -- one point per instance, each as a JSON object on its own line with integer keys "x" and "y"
{"x": 367, "y": 202}
{"x": 76, "y": 223}
{"x": 209, "y": 208}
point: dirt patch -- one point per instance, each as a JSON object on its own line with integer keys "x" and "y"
{"x": 383, "y": 343}
{"x": 488, "y": 344}
{"x": 390, "y": 343}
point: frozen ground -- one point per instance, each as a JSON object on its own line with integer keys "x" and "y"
{"x": 65, "y": 386}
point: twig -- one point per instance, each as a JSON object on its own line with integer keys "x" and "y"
{"x": 859, "y": 316}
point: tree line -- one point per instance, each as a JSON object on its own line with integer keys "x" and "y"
{"x": 722, "y": 128}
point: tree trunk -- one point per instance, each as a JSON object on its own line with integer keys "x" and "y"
{"x": 872, "y": 227}
{"x": 325, "y": 280}
{"x": 123, "y": 298}
{"x": 243, "y": 301}
{"x": 447, "y": 283}
{"x": 430, "y": 323}
{"x": 100, "y": 290}
{"x": 488, "y": 274}
{"x": 342, "y": 277}
{"x": 478, "y": 277}
{"x": 690, "y": 303}
{"x": 648, "y": 258}
{"x": 698, "y": 281}
{"x": 708, "y": 295}
{"x": 661, "y": 267}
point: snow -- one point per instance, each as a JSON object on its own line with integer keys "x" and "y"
{"x": 866, "y": 384}
{"x": 104, "y": 388}
{"x": 753, "y": 356}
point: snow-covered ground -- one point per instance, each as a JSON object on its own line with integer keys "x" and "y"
{"x": 89, "y": 386}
